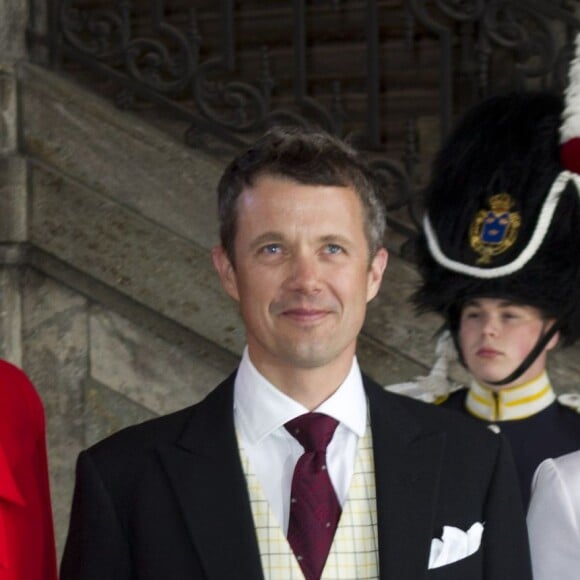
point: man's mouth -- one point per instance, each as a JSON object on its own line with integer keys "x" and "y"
{"x": 305, "y": 314}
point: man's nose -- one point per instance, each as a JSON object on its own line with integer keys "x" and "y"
{"x": 304, "y": 274}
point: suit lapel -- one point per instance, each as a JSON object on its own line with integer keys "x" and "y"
{"x": 206, "y": 473}
{"x": 407, "y": 464}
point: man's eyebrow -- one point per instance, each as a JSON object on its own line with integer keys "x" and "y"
{"x": 266, "y": 237}
{"x": 273, "y": 237}
{"x": 335, "y": 239}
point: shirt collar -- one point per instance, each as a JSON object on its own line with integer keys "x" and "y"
{"x": 261, "y": 408}
{"x": 511, "y": 403}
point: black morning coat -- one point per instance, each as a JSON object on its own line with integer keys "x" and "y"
{"x": 167, "y": 499}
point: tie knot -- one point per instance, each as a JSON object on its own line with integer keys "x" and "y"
{"x": 312, "y": 430}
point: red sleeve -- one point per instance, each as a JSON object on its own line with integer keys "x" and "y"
{"x": 25, "y": 515}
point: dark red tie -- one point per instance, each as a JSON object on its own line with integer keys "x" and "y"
{"x": 314, "y": 507}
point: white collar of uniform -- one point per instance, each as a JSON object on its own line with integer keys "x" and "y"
{"x": 512, "y": 403}
{"x": 261, "y": 408}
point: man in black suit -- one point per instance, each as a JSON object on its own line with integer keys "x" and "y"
{"x": 209, "y": 492}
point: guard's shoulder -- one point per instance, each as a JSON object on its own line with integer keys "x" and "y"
{"x": 461, "y": 429}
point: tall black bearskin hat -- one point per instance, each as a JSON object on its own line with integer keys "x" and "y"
{"x": 503, "y": 211}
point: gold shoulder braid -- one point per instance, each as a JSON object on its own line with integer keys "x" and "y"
{"x": 494, "y": 230}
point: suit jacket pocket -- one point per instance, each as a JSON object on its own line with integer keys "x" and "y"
{"x": 470, "y": 568}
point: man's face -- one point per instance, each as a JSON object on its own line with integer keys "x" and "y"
{"x": 495, "y": 337}
{"x": 301, "y": 275}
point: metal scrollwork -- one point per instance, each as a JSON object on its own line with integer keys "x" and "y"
{"x": 525, "y": 34}
{"x": 395, "y": 185}
{"x": 462, "y": 10}
{"x": 153, "y": 63}
{"x": 236, "y": 105}
{"x": 401, "y": 201}
{"x": 164, "y": 62}
{"x": 102, "y": 33}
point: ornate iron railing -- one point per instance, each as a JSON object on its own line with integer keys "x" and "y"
{"x": 197, "y": 60}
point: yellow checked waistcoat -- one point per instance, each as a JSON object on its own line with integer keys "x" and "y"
{"x": 354, "y": 551}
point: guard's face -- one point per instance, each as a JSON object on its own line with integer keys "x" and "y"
{"x": 301, "y": 274}
{"x": 495, "y": 337}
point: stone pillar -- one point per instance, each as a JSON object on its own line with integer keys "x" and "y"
{"x": 13, "y": 18}
{"x": 13, "y": 180}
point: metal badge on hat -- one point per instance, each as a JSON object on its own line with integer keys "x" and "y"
{"x": 494, "y": 230}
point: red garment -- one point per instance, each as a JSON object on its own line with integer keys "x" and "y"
{"x": 27, "y": 549}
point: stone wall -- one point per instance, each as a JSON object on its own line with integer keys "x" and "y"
{"x": 98, "y": 371}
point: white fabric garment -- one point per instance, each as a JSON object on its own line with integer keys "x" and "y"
{"x": 454, "y": 545}
{"x": 554, "y": 519}
{"x": 260, "y": 411}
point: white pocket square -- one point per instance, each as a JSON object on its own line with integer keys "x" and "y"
{"x": 454, "y": 545}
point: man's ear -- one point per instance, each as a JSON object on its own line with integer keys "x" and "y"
{"x": 226, "y": 271}
{"x": 376, "y": 271}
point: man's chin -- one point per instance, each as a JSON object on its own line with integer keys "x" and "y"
{"x": 312, "y": 356}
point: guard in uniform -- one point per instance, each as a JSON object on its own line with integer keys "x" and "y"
{"x": 499, "y": 257}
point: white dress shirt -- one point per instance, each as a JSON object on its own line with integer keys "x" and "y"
{"x": 260, "y": 412}
{"x": 554, "y": 519}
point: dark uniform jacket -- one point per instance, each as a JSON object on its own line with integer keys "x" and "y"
{"x": 549, "y": 433}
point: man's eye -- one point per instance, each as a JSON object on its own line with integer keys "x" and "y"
{"x": 334, "y": 249}
{"x": 271, "y": 249}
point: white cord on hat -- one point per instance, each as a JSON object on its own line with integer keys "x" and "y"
{"x": 527, "y": 253}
